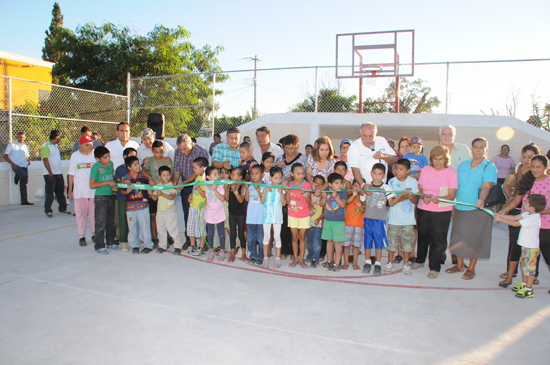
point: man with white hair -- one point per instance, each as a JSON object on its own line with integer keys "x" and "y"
{"x": 368, "y": 150}
{"x": 459, "y": 152}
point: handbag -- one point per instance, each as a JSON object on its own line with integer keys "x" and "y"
{"x": 496, "y": 195}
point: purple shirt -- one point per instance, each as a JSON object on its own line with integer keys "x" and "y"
{"x": 184, "y": 164}
{"x": 504, "y": 165}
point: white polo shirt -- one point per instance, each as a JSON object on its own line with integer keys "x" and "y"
{"x": 360, "y": 156}
{"x": 18, "y": 153}
{"x": 116, "y": 150}
{"x": 51, "y": 152}
{"x": 257, "y": 151}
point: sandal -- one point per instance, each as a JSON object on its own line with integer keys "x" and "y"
{"x": 304, "y": 265}
{"x": 345, "y": 267}
{"x": 469, "y": 275}
{"x": 283, "y": 257}
{"x": 536, "y": 282}
{"x": 504, "y": 284}
{"x": 397, "y": 259}
{"x": 356, "y": 267}
{"x": 292, "y": 264}
{"x": 433, "y": 274}
{"x": 453, "y": 269}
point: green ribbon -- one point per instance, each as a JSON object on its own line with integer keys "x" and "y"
{"x": 230, "y": 182}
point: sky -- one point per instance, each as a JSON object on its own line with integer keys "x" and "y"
{"x": 302, "y": 33}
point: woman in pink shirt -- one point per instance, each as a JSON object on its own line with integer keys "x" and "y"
{"x": 504, "y": 163}
{"x": 439, "y": 180}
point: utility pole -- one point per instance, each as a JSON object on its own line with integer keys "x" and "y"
{"x": 255, "y": 59}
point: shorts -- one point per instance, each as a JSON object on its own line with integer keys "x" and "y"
{"x": 334, "y": 231}
{"x": 153, "y": 204}
{"x": 529, "y": 260}
{"x": 300, "y": 223}
{"x": 355, "y": 236}
{"x": 405, "y": 234}
{"x": 196, "y": 216}
{"x": 375, "y": 234}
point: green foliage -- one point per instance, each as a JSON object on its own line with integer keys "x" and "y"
{"x": 48, "y": 51}
{"x": 541, "y": 116}
{"x": 330, "y": 100}
{"x": 225, "y": 122}
{"x": 413, "y": 98}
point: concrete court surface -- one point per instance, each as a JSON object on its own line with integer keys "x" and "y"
{"x": 64, "y": 304}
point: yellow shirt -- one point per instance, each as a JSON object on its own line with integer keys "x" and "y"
{"x": 167, "y": 205}
{"x": 198, "y": 201}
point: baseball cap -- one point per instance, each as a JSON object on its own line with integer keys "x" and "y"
{"x": 390, "y": 140}
{"x": 416, "y": 140}
{"x": 85, "y": 139}
{"x": 345, "y": 141}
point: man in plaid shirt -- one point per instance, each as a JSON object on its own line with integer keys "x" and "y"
{"x": 184, "y": 156}
{"x": 226, "y": 155}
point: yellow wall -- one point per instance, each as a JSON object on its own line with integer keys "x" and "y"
{"x": 23, "y": 91}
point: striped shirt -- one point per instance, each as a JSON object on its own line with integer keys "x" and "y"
{"x": 184, "y": 164}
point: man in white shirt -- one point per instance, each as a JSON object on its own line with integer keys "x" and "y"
{"x": 53, "y": 175}
{"x": 17, "y": 155}
{"x": 367, "y": 151}
{"x": 116, "y": 147}
{"x": 263, "y": 136}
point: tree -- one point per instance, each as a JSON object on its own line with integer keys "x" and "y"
{"x": 413, "y": 98}
{"x": 99, "y": 58}
{"x": 48, "y": 52}
{"x": 225, "y": 122}
{"x": 329, "y": 100}
{"x": 541, "y": 116}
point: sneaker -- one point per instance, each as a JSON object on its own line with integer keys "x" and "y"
{"x": 210, "y": 255}
{"x": 313, "y": 264}
{"x": 155, "y": 243}
{"x": 190, "y": 250}
{"x": 377, "y": 270}
{"x": 66, "y": 213}
{"x": 102, "y": 251}
{"x": 265, "y": 263}
{"x": 82, "y": 241}
{"x": 135, "y": 250}
{"x": 146, "y": 250}
{"x": 327, "y": 265}
{"x": 198, "y": 252}
{"x": 186, "y": 246}
{"x": 525, "y": 293}
{"x": 177, "y": 251}
{"x": 253, "y": 262}
{"x": 49, "y": 214}
{"x": 278, "y": 265}
{"x": 518, "y": 287}
{"x": 334, "y": 268}
{"x": 124, "y": 247}
{"x": 221, "y": 255}
{"x": 160, "y": 250}
{"x": 407, "y": 269}
{"x": 366, "y": 268}
{"x": 114, "y": 247}
{"x": 388, "y": 268}
{"x": 170, "y": 240}
{"x": 307, "y": 261}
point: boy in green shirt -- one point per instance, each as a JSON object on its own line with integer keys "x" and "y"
{"x": 101, "y": 179}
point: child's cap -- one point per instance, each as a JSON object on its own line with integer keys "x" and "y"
{"x": 85, "y": 139}
{"x": 345, "y": 141}
{"x": 416, "y": 140}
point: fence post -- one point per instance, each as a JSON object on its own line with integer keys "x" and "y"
{"x": 213, "y": 101}
{"x": 447, "y": 89}
{"x": 316, "y": 89}
{"x": 129, "y": 110}
{"x": 10, "y": 107}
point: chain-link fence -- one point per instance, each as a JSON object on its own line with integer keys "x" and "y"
{"x": 37, "y": 108}
{"x": 510, "y": 87}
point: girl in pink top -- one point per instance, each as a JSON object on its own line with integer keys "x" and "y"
{"x": 215, "y": 213}
{"x": 298, "y": 212}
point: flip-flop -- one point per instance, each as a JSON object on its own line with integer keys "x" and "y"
{"x": 244, "y": 260}
{"x": 468, "y": 275}
{"x": 304, "y": 266}
{"x": 292, "y": 264}
{"x": 345, "y": 267}
{"x": 453, "y": 269}
{"x": 356, "y": 267}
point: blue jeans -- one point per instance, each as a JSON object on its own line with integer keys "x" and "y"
{"x": 185, "y": 205}
{"x": 255, "y": 235}
{"x": 104, "y": 215}
{"x": 313, "y": 239}
{"x": 23, "y": 176}
{"x": 139, "y": 223}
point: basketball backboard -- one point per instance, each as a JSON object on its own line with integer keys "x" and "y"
{"x": 375, "y": 54}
